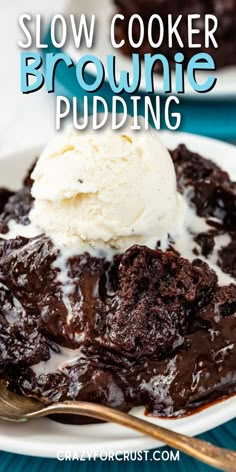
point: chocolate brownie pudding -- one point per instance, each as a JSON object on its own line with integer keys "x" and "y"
{"x": 148, "y": 327}
{"x": 225, "y": 11}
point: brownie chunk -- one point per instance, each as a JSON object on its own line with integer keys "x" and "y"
{"x": 16, "y": 205}
{"x": 157, "y": 294}
{"x": 21, "y": 344}
{"x": 213, "y": 195}
{"x": 66, "y": 315}
{"x": 88, "y": 380}
{"x": 206, "y": 243}
{"x": 212, "y": 192}
{"x": 28, "y": 182}
{"x": 222, "y": 305}
{"x": 17, "y": 208}
{"x": 227, "y": 257}
{"x": 4, "y": 197}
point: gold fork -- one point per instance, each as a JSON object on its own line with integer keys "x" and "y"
{"x": 17, "y": 408}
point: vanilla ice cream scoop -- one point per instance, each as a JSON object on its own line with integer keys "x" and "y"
{"x": 105, "y": 188}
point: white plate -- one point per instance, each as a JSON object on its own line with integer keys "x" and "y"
{"x": 44, "y": 437}
{"x": 224, "y": 88}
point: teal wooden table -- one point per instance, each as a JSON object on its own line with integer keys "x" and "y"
{"x": 224, "y": 436}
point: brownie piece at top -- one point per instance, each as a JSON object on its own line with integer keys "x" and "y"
{"x": 225, "y": 11}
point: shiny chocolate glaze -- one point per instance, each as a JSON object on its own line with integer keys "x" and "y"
{"x": 145, "y": 328}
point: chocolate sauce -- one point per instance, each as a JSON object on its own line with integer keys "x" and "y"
{"x": 146, "y": 328}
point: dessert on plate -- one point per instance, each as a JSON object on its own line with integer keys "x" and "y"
{"x": 224, "y": 10}
{"x": 117, "y": 275}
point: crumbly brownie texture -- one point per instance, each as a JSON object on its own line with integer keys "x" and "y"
{"x": 225, "y": 11}
{"x": 16, "y": 206}
{"x": 148, "y": 328}
{"x": 213, "y": 195}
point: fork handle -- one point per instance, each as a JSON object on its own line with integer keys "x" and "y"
{"x": 217, "y": 457}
